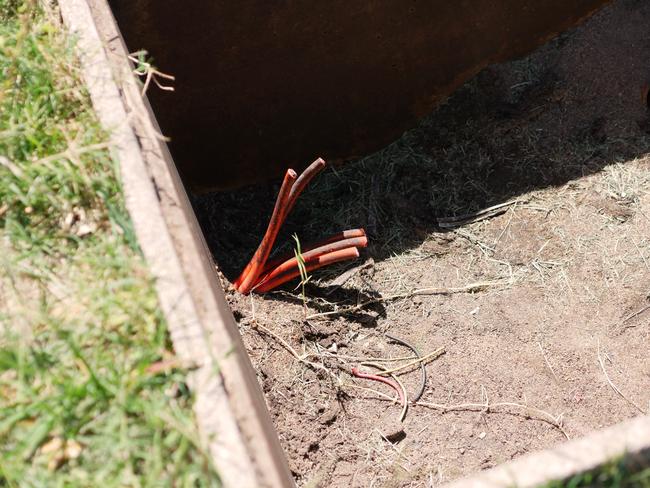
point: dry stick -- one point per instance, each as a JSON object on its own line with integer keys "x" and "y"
{"x": 362, "y": 358}
{"x": 614, "y": 387}
{"x": 312, "y": 256}
{"x": 636, "y": 314}
{"x": 423, "y": 370}
{"x": 402, "y": 415}
{"x": 419, "y": 292}
{"x": 339, "y": 236}
{"x": 294, "y": 353}
{"x": 322, "y": 260}
{"x": 343, "y": 357}
{"x": 486, "y": 213}
{"x": 248, "y": 278}
{"x": 150, "y": 72}
{"x": 547, "y": 363}
{"x": 429, "y": 357}
{"x": 382, "y": 396}
{"x": 542, "y": 415}
{"x": 486, "y": 407}
{"x": 340, "y": 280}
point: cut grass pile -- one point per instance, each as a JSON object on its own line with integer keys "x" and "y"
{"x": 79, "y": 318}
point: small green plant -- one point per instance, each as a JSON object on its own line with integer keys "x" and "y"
{"x": 304, "y": 276}
{"x": 145, "y": 69}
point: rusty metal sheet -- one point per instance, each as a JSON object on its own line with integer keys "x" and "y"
{"x": 264, "y": 85}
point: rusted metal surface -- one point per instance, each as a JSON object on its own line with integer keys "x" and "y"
{"x": 262, "y": 85}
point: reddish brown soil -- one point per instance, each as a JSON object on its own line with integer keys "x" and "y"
{"x": 564, "y": 133}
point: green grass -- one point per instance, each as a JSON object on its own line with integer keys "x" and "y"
{"x": 79, "y": 317}
{"x": 612, "y": 475}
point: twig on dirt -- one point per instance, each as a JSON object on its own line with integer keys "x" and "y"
{"x": 484, "y": 214}
{"x": 406, "y": 398}
{"x": 557, "y": 380}
{"x": 423, "y": 380}
{"x": 505, "y": 229}
{"x": 382, "y": 396}
{"x": 473, "y": 287}
{"x": 645, "y": 261}
{"x": 343, "y": 278}
{"x": 483, "y": 247}
{"x": 611, "y": 383}
{"x": 485, "y": 407}
{"x": 362, "y": 358}
{"x": 302, "y": 358}
{"x": 544, "y": 416}
{"x": 636, "y": 314}
{"x": 401, "y": 385}
{"x": 420, "y": 360}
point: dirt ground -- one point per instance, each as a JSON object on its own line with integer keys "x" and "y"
{"x": 555, "y": 338}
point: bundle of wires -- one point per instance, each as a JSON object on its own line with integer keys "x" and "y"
{"x": 262, "y": 276}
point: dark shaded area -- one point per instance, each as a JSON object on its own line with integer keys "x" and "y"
{"x": 321, "y": 297}
{"x": 265, "y": 85}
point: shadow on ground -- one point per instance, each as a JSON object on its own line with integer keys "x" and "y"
{"x": 566, "y": 111}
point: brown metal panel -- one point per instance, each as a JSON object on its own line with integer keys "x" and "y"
{"x": 266, "y": 85}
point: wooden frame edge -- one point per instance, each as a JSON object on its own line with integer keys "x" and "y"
{"x": 629, "y": 440}
{"x": 230, "y": 409}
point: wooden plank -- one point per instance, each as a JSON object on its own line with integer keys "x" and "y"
{"x": 230, "y": 409}
{"x": 630, "y": 439}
